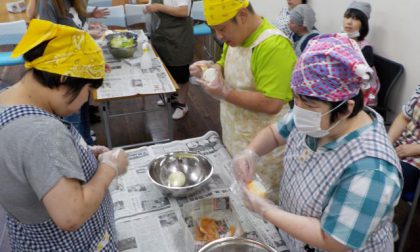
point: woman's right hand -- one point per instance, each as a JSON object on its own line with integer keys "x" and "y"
{"x": 244, "y": 165}
{"x": 198, "y": 67}
{"x": 117, "y": 159}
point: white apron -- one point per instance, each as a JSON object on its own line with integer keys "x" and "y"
{"x": 239, "y": 125}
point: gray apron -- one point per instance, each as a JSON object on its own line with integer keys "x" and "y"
{"x": 173, "y": 39}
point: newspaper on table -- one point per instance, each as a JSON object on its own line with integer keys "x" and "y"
{"x": 144, "y": 73}
{"x": 147, "y": 220}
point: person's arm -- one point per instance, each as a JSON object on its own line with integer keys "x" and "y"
{"x": 266, "y": 140}
{"x": 32, "y": 9}
{"x": 397, "y": 127}
{"x": 71, "y": 211}
{"x": 98, "y": 13}
{"x": 254, "y": 101}
{"x": 306, "y": 229}
{"x": 70, "y": 204}
{"x": 179, "y": 11}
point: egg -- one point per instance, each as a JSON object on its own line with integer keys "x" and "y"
{"x": 210, "y": 75}
{"x": 257, "y": 188}
{"x": 177, "y": 179}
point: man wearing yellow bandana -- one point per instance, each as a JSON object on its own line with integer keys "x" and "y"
{"x": 252, "y": 81}
{"x": 55, "y": 186}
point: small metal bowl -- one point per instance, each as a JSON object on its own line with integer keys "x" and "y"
{"x": 119, "y": 52}
{"x": 196, "y": 168}
{"x": 231, "y": 244}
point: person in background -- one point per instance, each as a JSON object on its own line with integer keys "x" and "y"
{"x": 253, "y": 77}
{"x": 173, "y": 40}
{"x": 302, "y": 21}
{"x": 342, "y": 178}
{"x": 282, "y": 20}
{"x": 32, "y": 9}
{"x": 72, "y": 13}
{"x": 356, "y": 25}
{"x": 54, "y": 186}
{"x": 405, "y": 135}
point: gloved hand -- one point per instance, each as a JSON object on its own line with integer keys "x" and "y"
{"x": 244, "y": 165}
{"x": 98, "y": 150}
{"x": 198, "y": 67}
{"x": 216, "y": 87}
{"x": 256, "y": 203}
{"x": 117, "y": 159}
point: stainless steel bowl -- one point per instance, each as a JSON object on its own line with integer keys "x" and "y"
{"x": 196, "y": 168}
{"x": 233, "y": 244}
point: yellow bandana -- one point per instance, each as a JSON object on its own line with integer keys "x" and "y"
{"x": 70, "y": 52}
{"x": 220, "y": 11}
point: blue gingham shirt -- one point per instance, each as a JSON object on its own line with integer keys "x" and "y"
{"x": 367, "y": 191}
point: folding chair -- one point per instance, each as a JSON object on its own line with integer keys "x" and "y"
{"x": 10, "y": 34}
{"x": 388, "y": 72}
{"x": 412, "y": 198}
{"x": 100, "y": 3}
{"x": 115, "y": 18}
{"x": 134, "y": 15}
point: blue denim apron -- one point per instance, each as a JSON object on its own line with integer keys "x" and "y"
{"x": 97, "y": 234}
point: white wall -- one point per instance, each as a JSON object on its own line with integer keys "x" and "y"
{"x": 394, "y": 34}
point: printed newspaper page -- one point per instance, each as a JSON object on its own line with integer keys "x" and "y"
{"x": 144, "y": 73}
{"x": 147, "y": 220}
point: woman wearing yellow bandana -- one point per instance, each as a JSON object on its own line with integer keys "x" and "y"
{"x": 253, "y": 78}
{"x": 53, "y": 187}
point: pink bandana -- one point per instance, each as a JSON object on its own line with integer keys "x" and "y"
{"x": 332, "y": 68}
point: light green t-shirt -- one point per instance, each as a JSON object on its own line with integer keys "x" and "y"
{"x": 272, "y": 63}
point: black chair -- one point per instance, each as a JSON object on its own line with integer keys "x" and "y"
{"x": 388, "y": 72}
{"x": 412, "y": 198}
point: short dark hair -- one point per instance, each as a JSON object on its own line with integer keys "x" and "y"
{"x": 249, "y": 8}
{"x": 341, "y": 109}
{"x": 52, "y": 80}
{"x": 304, "y": 1}
{"x": 358, "y": 15}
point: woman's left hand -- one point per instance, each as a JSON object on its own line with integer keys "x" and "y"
{"x": 256, "y": 203}
{"x": 408, "y": 150}
{"x": 98, "y": 150}
{"x": 152, "y": 8}
{"x": 99, "y": 13}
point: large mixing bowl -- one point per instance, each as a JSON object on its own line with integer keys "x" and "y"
{"x": 233, "y": 244}
{"x": 122, "y": 52}
{"x": 195, "y": 169}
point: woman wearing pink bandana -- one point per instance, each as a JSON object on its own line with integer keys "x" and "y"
{"x": 342, "y": 177}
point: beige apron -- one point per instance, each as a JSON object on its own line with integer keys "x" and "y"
{"x": 239, "y": 125}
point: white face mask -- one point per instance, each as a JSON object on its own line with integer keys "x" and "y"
{"x": 309, "y": 122}
{"x": 352, "y": 35}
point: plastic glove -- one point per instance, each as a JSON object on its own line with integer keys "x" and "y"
{"x": 198, "y": 67}
{"x": 217, "y": 87}
{"x": 244, "y": 165}
{"x": 256, "y": 203}
{"x": 98, "y": 150}
{"x": 117, "y": 159}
